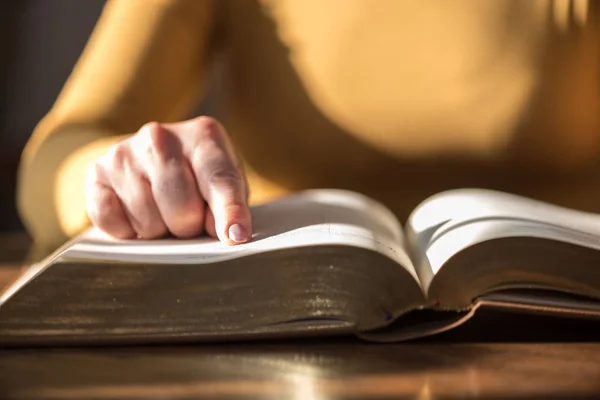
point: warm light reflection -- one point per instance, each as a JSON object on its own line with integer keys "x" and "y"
{"x": 425, "y": 393}
{"x": 304, "y": 386}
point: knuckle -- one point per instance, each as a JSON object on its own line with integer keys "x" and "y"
{"x": 228, "y": 186}
{"x": 157, "y": 142}
{"x": 151, "y": 126}
{"x": 225, "y": 176}
{"x": 105, "y": 212}
{"x": 207, "y": 123}
{"x": 142, "y": 204}
{"x": 209, "y": 129}
{"x": 150, "y": 228}
{"x": 106, "y": 205}
{"x": 177, "y": 185}
{"x": 117, "y": 156}
{"x": 103, "y": 209}
{"x": 94, "y": 172}
{"x": 152, "y": 134}
{"x": 145, "y": 216}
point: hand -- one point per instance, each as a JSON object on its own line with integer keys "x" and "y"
{"x": 183, "y": 178}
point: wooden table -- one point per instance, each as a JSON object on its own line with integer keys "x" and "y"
{"x": 493, "y": 358}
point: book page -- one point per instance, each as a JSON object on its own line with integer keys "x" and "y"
{"x": 309, "y": 218}
{"x": 434, "y": 235}
{"x": 544, "y": 299}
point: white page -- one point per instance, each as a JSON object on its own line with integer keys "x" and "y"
{"x": 310, "y": 218}
{"x": 443, "y": 213}
{"x": 449, "y": 209}
{"x": 454, "y": 240}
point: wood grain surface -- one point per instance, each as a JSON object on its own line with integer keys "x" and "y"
{"x": 304, "y": 370}
{"x": 527, "y": 359}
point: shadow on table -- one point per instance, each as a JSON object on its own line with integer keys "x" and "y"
{"x": 495, "y": 325}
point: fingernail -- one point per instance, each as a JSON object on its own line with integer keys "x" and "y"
{"x": 238, "y": 233}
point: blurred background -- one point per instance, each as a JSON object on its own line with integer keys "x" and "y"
{"x": 40, "y": 41}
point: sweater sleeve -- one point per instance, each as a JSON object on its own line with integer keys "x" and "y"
{"x": 146, "y": 60}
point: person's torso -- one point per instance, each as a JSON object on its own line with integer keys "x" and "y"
{"x": 400, "y": 99}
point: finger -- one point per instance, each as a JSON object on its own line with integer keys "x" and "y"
{"x": 189, "y": 133}
{"x": 209, "y": 223}
{"x": 221, "y": 183}
{"x": 172, "y": 182}
{"x": 105, "y": 209}
{"x": 131, "y": 186}
{"x": 139, "y": 205}
{"x": 234, "y": 158}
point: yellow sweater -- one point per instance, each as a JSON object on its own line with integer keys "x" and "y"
{"x": 396, "y": 99}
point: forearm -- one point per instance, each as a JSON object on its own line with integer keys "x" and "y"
{"x": 50, "y": 196}
{"x": 53, "y": 218}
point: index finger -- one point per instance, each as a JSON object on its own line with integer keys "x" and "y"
{"x": 221, "y": 182}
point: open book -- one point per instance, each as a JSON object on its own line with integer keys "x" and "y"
{"x": 321, "y": 262}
